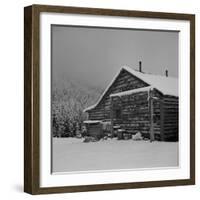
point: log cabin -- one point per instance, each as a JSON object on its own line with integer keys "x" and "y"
{"x": 140, "y": 102}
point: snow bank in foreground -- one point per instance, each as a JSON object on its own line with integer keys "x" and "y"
{"x": 71, "y": 154}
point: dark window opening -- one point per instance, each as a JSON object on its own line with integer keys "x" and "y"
{"x": 118, "y": 113}
{"x": 156, "y": 118}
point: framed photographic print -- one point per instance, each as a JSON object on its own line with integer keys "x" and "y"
{"x": 109, "y": 99}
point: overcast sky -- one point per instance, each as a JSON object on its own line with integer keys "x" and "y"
{"x": 94, "y": 55}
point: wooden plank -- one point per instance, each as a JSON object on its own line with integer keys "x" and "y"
{"x": 111, "y": 115}
{"x": 162, "y": 120}
{"x": 151, "y": 120}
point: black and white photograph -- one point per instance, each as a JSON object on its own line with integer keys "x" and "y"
{"x": 109, "y": 99}
{"x": 114, "y": 99}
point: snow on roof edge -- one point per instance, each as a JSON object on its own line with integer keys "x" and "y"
{"x": 152, "y": 79}
{"x": 90, "y": 107}
{"x": 92, "y": 121}
{"x": 128, "y": 92}
{"x": 104, "y": 92}
{"x": 131, "y": 71}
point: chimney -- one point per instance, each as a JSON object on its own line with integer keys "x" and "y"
{"x": 140, "y": 66}
{"x": 166, "y": 73}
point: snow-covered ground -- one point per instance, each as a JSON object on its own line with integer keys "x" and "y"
{"x": 71, "y": 154}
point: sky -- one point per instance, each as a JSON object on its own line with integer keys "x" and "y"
{"x": 93, "y": 56}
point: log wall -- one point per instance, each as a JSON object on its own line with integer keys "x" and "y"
{"x": 135, "y": 113}
{"x": 171, "y": 107}
{"x": 125, "y": 81}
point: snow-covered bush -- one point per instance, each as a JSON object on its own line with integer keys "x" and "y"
{"x": 68, "y": 103}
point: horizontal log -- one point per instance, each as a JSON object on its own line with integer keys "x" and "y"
{"x": 170, "y": 100}
{"x": 176, "y": 103}
{"x": 170, "y": 106}
{"x": 170, "y": 125}
{"x": 171, "y": 133}
{"x": 170, "y": 121}
{"x": 171, "y": 114}
{"x": 170, "y": 97}
{"x": 94, "y": 114}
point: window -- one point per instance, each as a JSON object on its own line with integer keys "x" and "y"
{"x": 118, "y": 113}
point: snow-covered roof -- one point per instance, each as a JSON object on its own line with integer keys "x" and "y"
{"x": 166, "y": 85}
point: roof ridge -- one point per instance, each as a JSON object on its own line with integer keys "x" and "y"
{"x": 146, "y": 73}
